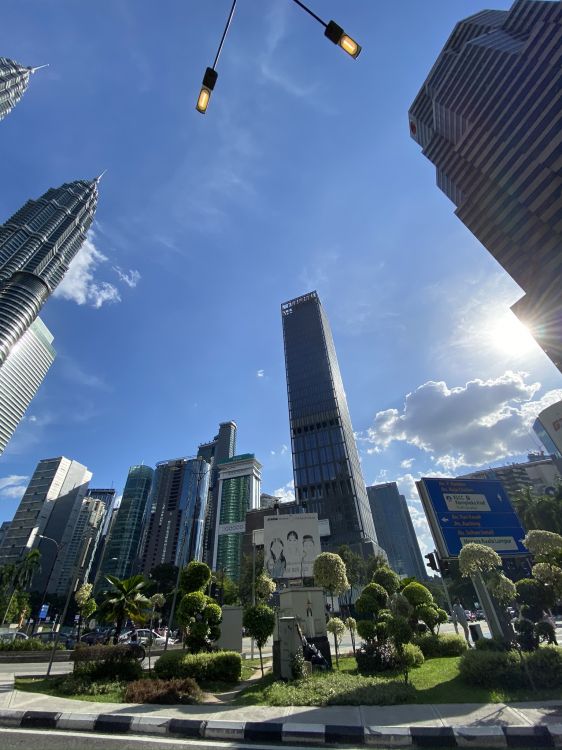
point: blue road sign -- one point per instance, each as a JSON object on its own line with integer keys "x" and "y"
{"x": 43, "y": 611}
{"x": 471, "y": 510}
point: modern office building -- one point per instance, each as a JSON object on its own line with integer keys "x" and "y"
{"x": 548, "y": 428}
{"x": 14, "y": 79}
{"x": 122, "y": 544}
{"x": 37, "y": 245}
{"x": 107, "y": 497}
{"x": 3, "y": 531}
{"x": 175, "y": 514}
{"x": 541, "y": 474}
{"x": 326, "y": 464}
{"x": 49, "y": 507}
{"x": 80, "y": 542}
{"x": 220, "y": 448}
{"x": 488, "y": 116}
{"x": 239, "y": 492}
{"x": 21, "y": 375}
{"x": 395, "y": 530}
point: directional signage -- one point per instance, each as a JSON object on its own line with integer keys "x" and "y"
{"x": 43, "y": 611}
{"x": 460, "y": 511}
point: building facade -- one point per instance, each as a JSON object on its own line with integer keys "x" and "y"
{"x": 542, "y": 474}
{"x": 175, "y": 514}
{"x": 14, "y": 79}
{"x": 37, "y": 245}
{"x": 49, "y": 507}
{"x": 488, "y": 116}
{"x": 548, "y": 428}
{"x": 239, "y": 492}
{"x": 326, "y": 464}
{"x": 107, "y": 497}
{"x": 395, "y": 530}
{"x": 123, "y": 540}
{"x": 220, "y": 448}
{"x": 21, "y": 375}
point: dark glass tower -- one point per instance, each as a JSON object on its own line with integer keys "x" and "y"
{"x": 325, "y": 460}
{"x": 36, "y": 246}
{"x": 489, "y": 117}
{"x": 14, "y": 79}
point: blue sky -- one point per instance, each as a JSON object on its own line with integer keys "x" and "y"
{"x": 301, "y": 176}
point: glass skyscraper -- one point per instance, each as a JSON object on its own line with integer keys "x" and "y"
{"x": 21, "y": 375}
{"x": 175, "y": 514}
{"x": 122, "y": 545}
{"x": 489, "y": 117}
{"x": 37, "y": 245}
{"x": 14, "y": 79}
{"x": 326, "y": 465}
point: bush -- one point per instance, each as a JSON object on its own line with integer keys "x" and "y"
{"x": 367, "y": 630}
{"x": 417, "y": 594}
{"x": 526, "y": 636}
{"x": 224, "y": 666}
{"x": 185, "y": 691}
{"x": 387, "y": 578}
{"x": 491, "y": 644}
{"x": 73, "y": 684}
{"x": 545, "y": 666}
{"x": 545, "y": 632}
{"x": 379, "y": 657}
{"x": 436, "y": 646}
{"x": 28, "y": 644}
{"x": 106, "y": 663}
{"x": 411, "y": 656}
{"x": 373, "y": 598}
{"x": 492, "y": 669}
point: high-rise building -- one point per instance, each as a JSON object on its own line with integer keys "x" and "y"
{"x": 122, "y": 545}
{"x": 107, "y": 497}
{"x": 14, "y": 79}
{"x": 541, "y": 474}
{"x": 49, "y": 507}
{"x": 37, "y": 245}
{"x": 239, "y": 492}
{"x": 548, "y": 428}
{"x": 3, "y": 531}
{"x": 21, "y": 375}
{"x": 175, "y": 514}
{"x": 80, "y": 541}
{"x": 326, "y": 464}
{"x": 488, "y": 116}
{"x": 221, "y": 447}
{"x": 395, "y": 530}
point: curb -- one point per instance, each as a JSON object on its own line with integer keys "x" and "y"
{"x": 540, "y": 735}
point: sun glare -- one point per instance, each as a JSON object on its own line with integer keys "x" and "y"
{"x": 511, "y": 336}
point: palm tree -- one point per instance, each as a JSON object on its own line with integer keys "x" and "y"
{"x": 126, "y": 601}
{"x": 22, "y": 575}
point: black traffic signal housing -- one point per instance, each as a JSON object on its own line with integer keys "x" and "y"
{"x": 432, "y": 562}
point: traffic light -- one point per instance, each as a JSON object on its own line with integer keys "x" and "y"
{"x": 432, "y": 562}
{"x": 443, "y": 566}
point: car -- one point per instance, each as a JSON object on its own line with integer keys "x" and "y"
{"x": 144, "y": 636}
{"x": 470, "y": 616}
{"x": 479, "y": 614}
{"x": 67, "y": 639}
{"x": 13, "y": 635}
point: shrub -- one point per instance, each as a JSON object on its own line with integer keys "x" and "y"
{"x": 73, "y": 684}
{"x": 492, "y": 669}
{"x": 535, "y": 596}
{"x": 492, "y": 644}
{"x": 435, "y": 646}
{"x": 388, "y": 579}
{"x": 417, "y": 594}
{"x": 373, "y": 598}
{"x": 106, "y": 663}
{"x": 409, "y": 656}
{"x": 545, "y": 666}
{"x": 185, "y": 691}
{"x": 224, "y": 666}
{"x": 545, "y": 632}
{"x": 526, "y": 636}
{"x": 28, "y": 644}
{"x": 367, "y": 630}
{"x": 379, "y": 657}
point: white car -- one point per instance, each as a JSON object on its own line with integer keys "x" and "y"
{"x": 13, "y": 635}
{"x": 144, "y": 635}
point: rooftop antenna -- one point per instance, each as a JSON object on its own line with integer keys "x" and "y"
{"x": 38, "y": 67}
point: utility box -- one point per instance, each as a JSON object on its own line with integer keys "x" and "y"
{"x": 308, "y": 606}
{"x": 475, "y": 631}
{"x": 231, "y": 629}
{"x": 285, "y": 647}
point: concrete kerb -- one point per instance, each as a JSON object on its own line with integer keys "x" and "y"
{"x": 539, "y": 735}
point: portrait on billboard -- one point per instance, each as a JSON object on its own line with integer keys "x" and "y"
{"x": 291, "y": 545}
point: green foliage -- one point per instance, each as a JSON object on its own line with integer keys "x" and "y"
{"x": 435, "y": 646}
{"x": 183, "y": 691}
{"x": 106, "y": 663}
{"x": 125, "y": 601}
{"x": 83, "y": 685}
{"x": 355, "y": 566}
{"x": 545, "y": 667}
{"x": 431, "y": 615}
{"x": 191, "y": 605}
{"x": 265, "y": 586}
{"x": 367, "y": 629}
{"x": 526, "y": 636}
{"x": 200, "y": 616}
{"x": 410, "y": 657}
{"x": 373, "y": 598}
{"x": 374, "y": 657}
{"x": 492, "y": 669}
{"x": 388, "y": 579}
{"x": 351, "y": 625}
{"x": 224, "y": 666}
{"x": 545, "y": 632}
{"x": 246, "y": 573}
{"x": 417, "y": 594}
{"x": 27, "y": 644}
{"x": 195, "y": 577}
{"x": 535, "y": 595}
{"x": 297, "y": 665}
{"x": 329, "y": 573}
{"x": 259, "y": 621}
{"x": 540, "y": 511}
{"x": 399, "y": 605}
{"x": 336, "y": 627}
{"x": 400, "y": 631}
{"x": 492, "y": 644}
{"x": 478, "y": 559}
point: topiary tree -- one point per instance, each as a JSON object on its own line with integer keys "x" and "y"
{"x": 264, "y": 587}
{"x": 194, "y": 577}
{"x": 259, "y": 621}
{"x": 388, "y": 579}
{"x": 534, "y": 598}
{"x": 417, "y": 594}
{"x": 351, "y": 625}
{"x": 543, "y": 544}
{"x": 85, "y": 603}
{"x": 432, "y": 616}
{"x": 329, "y": 573}
{"x": 200, "y": 616}
{"x": 336, "y": 627}
{"x": 373, "y": 598}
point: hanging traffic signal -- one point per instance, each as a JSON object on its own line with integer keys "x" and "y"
{"x": 432, "y": 562}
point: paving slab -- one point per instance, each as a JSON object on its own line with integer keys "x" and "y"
{"x": 400, "y": 716}
{"x": 341, "y": 715}
{"x": 476, "y": 714}
{"x": 543, "y": 712}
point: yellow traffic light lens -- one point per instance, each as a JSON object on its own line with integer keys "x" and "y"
{"x": 203, "y": 101}
{"x": 349, "y": 45}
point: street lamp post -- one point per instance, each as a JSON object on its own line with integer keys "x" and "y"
{"x": 59, "y": 547}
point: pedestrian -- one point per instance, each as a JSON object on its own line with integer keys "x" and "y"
{"x": 459, "y": 616}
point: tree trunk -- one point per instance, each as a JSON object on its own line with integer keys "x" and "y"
{"x": 118, "y": 629}
{"x": 336, "y": 650}
{"x": 261, "y": 660}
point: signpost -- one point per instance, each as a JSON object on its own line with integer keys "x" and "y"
{"x": 43, "y": 612}
{"x": 461, "y": 511}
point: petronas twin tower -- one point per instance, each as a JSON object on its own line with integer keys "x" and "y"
{"x": 39, "y": 241}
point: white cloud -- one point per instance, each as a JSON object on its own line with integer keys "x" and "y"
{"x": 12, "y": 487}
{"x": 284, "y": 449}
{"x": 286, "y": 493}
{"x": 11, "y": 480}
{"x": 78, "y": 284}
{"x": 471, "y": 425}
{"x": 131, "y": 277}
{"x": 407, "y": 463}
{"x": 260, "y": 373}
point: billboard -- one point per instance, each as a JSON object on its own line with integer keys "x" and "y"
{"x": 460, "y": 511}
{"x": 291, "y": 545}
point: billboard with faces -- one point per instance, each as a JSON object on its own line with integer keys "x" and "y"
{"x": 291, "y": 545}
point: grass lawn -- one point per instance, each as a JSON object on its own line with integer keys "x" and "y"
{"x": 436, "y": 681}
{"x": 51, "y": 686}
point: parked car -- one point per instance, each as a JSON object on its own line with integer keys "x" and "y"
{"x": 98, "y": 635}
{"x": 67, "y": 639}
{"x": 470, "y": 616}
{"x": 479, "y": 614}
{"x": 144, "y": 636}
{"x": 12, "y": 635}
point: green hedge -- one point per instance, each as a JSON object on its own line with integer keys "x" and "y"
{"x": 106, "y": 663}
{"x": 27, "y": 644}
{"x": 225, "y": 666}
{"x": 436, "y": 646}
{"x": 497, "y": 669}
